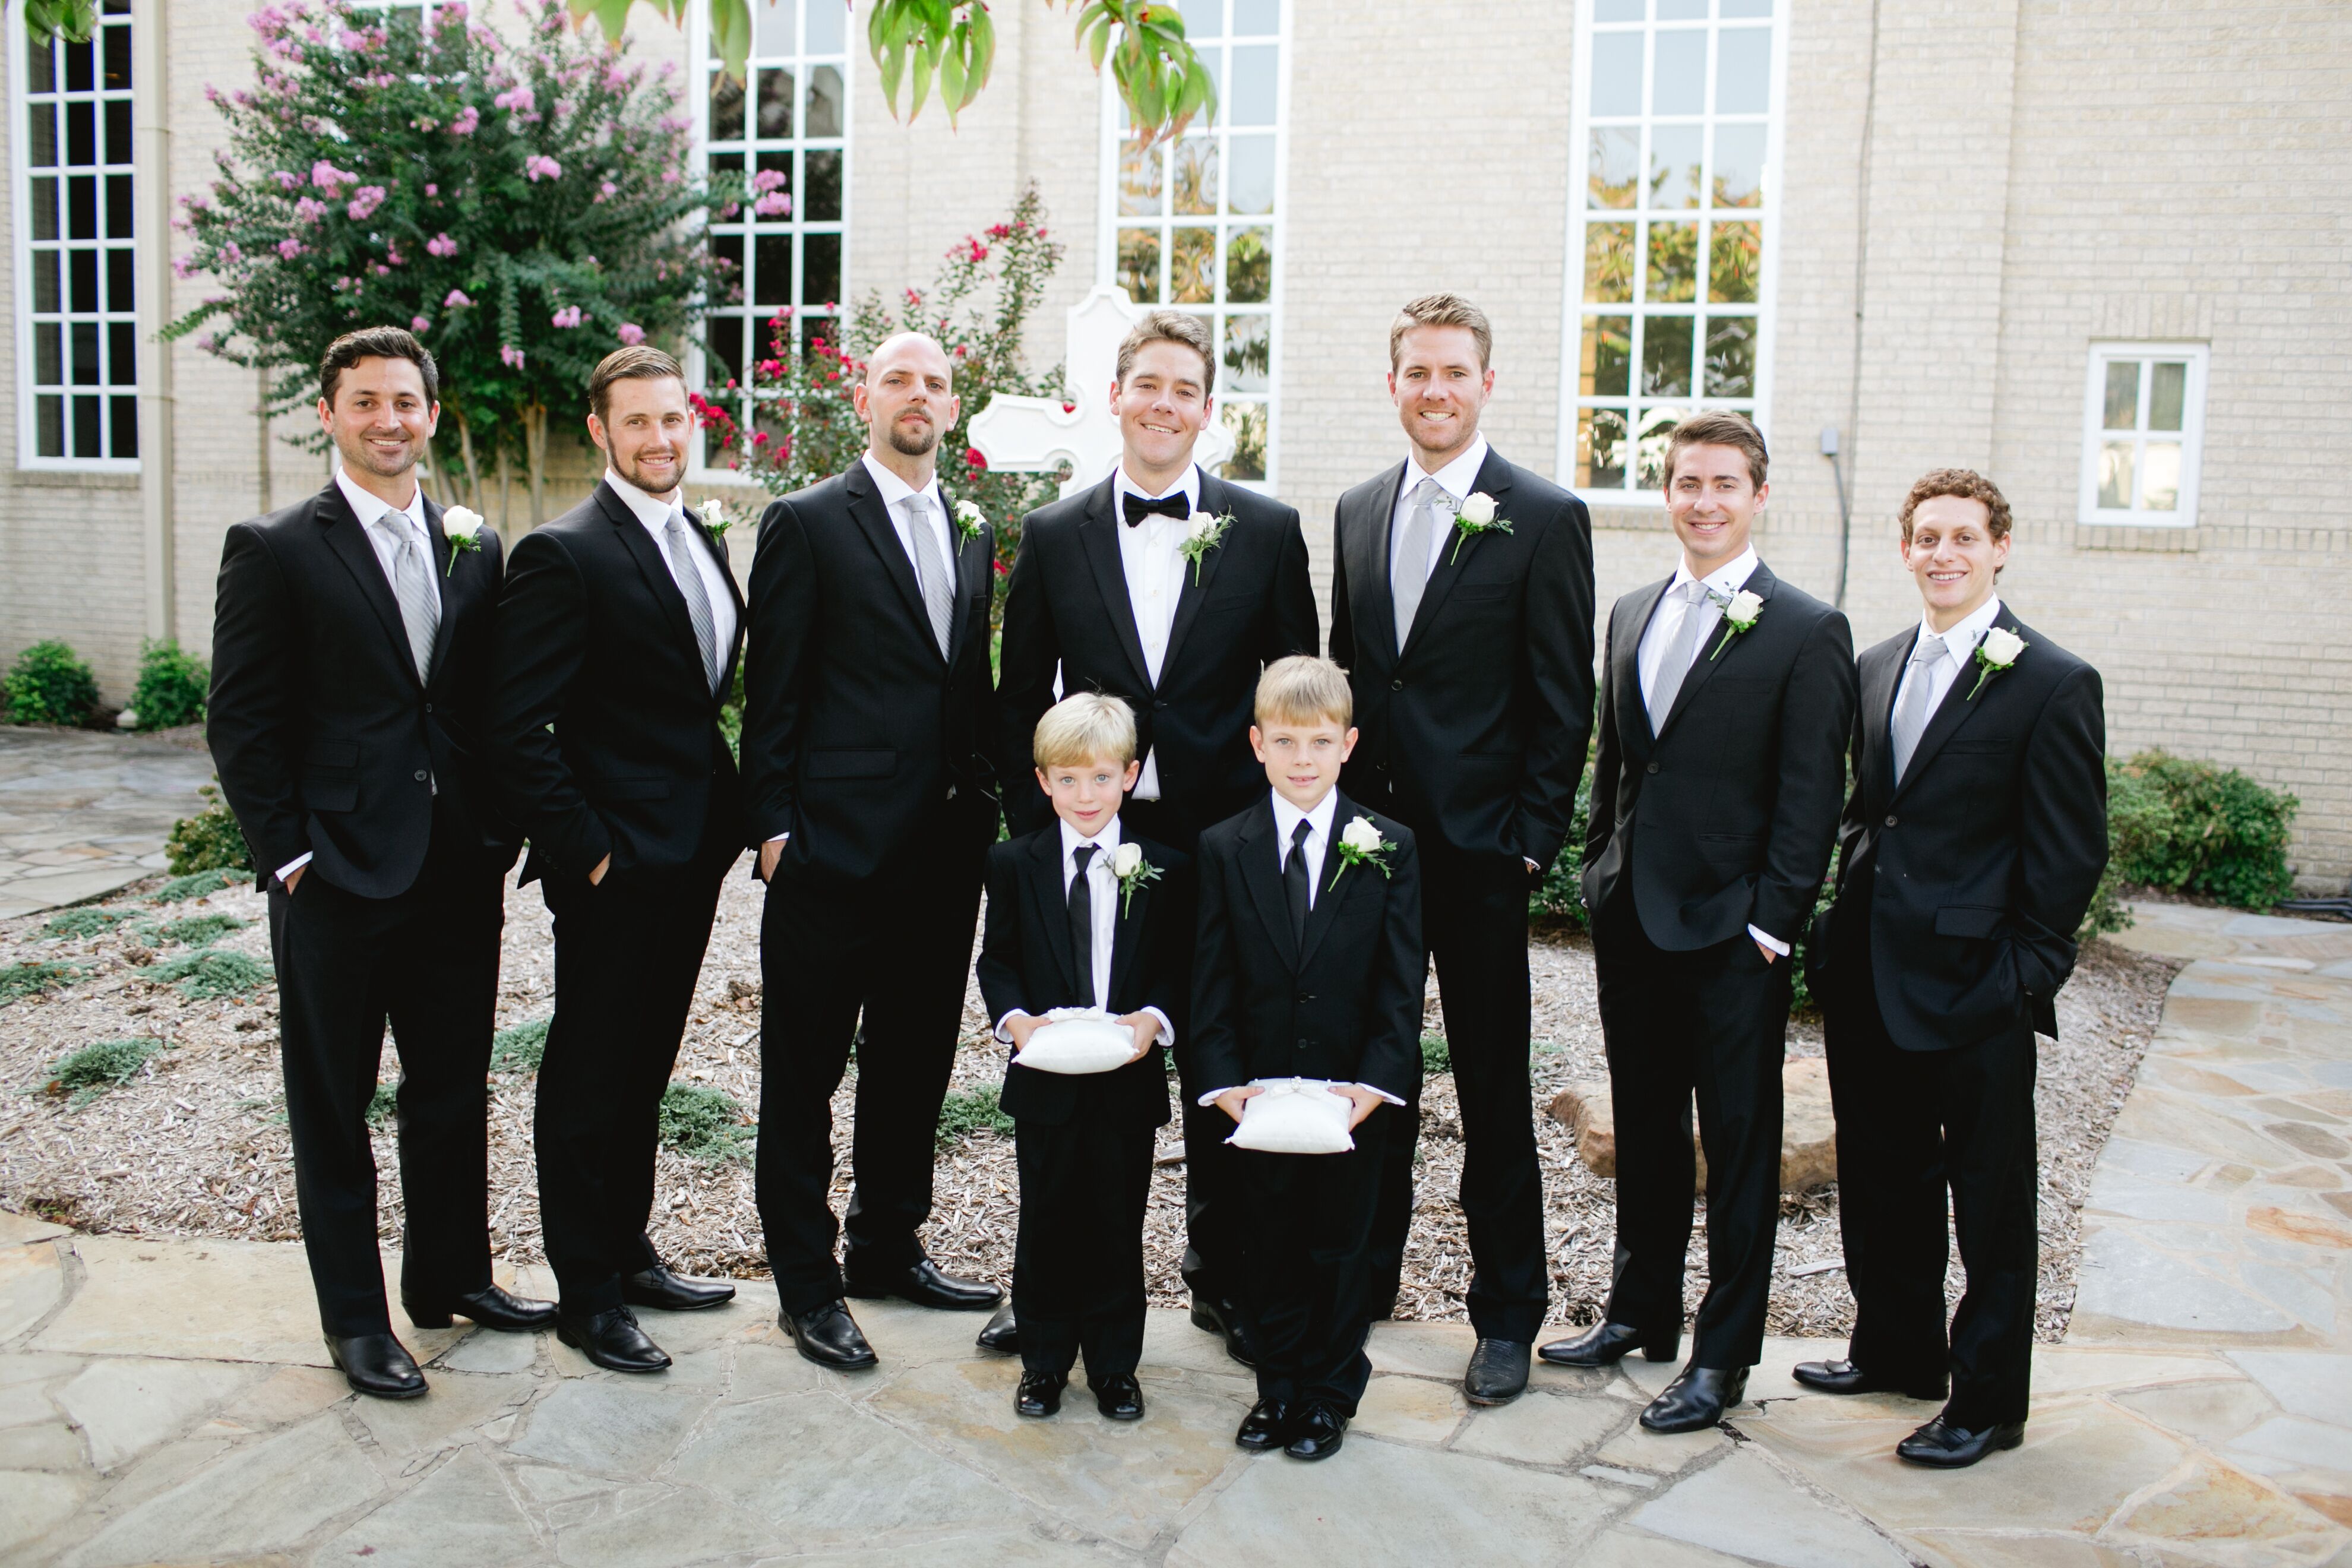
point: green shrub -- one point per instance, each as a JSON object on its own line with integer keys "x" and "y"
{"x": 93, "y": 1069}
{"x": 704, "y": 1123}
{"x": 1800, "y": 995}
{"x": 172, "y": 686}
{"x": 383, "y": 1105}
{"x": 519, "y": 1050}
{"x": 82, "y": 923}
{"x": 975, "y": 1111}
{"x": 208, "y": 841}
{"x": 1559, "y": 897}
{"x": 47, "y": 685}
{"x": 25, "y": 979}
{"x": 731, "y": 715}
{"x": 1434, "y": 1055}
{"x": 198, "y": 931}
{"x": 2201, "y": 828}
{"x": 208, "y": 971}
{"x": 196, "y": 885}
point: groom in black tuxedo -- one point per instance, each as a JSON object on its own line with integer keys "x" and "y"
{"x": 1973, "y": 843}
{"x": 1726, "y": 699}
{"x": 345, "y": 719}
{"x": 616, "y": 644}
{"x": 1462, "y": 607}
{"x": 868, "y": 733}
{"x": 1102, "y": 591}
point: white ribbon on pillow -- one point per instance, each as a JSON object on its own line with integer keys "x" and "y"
{"x": 1077, "y": 1040}
{"x": 1295, "y": 1116}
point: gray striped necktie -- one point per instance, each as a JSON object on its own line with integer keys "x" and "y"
{"x": 412, "y": 584}
{"x": 931, "y": 568}
{"x": 1412, "y": 577}
{"x": 1668, "y": 682}
{"x": 1911, "y": 714}
{"x": 683, "y": 567}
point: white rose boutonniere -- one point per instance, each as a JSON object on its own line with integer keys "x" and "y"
{"x": 714, "y": 518}
{"x": 1476, "y": 516}
{"x": 1133, "y": 872}
{"x": 1202, "y": 534}
{"x": 1738, "y": 616}
{"x": 1360, "y": 844}
{"x": 1999, "y": 650}
{"x": 462, "y": 526}
{"x": 970, "y": 519}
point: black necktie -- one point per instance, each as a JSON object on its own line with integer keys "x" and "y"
{"x": 1138, "y": 509}
{"x": 1082, "y": 922}
{"x": 1297, "y": 884}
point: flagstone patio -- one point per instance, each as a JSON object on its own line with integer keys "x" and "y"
{"x": 83, "y": 813}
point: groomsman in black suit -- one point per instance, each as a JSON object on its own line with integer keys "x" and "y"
{"x": 1973, "y": 843}
{"x": 345, "y": 720}
{"x": 616, "y": 644}
{"x": 868, "y": 736}
{"x": 1107, "y": 590}
{"x": 1726, "y": 699}
{"x": 1462, "y": 607}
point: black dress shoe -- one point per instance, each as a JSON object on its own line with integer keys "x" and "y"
{"x": 377, "y": 1364}
{"x": 1606, "y": 1344}
{"x": 829, "y": 1337}
{"x": 1844, "y": 1378}
{"x": 1267, "y": 1425}
{"x": 492, "y": 1308}
{"x": 612, "y": 1340}
{"x": 1003, "y": 1335}
{"x": 1317, "y": 1433}
{"x": 1498, "y": 1372}
{"x": 925, "y": 1285}
{"x": 1040, "y": 1394}
{"x": 1945, "y": 1446}
{"x": 1224, "y": 1320}
{"x": 664, "y": 1291}
{"x": 1697, "y": 1399}
{"x": 1118, "y": 1396}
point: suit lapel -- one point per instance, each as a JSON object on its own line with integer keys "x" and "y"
{"x": 1262, "y": 874}
{"x": 1365, "y": 540}
{"x": 1625, "y": 662}
{"x": 1053, "y": 906}
{"x": 1495, "y": 478}
{"x": 1880, "y": 670}
{"x": 1189, "y": 594}
{"x": 1128, "y": 916}
{"x": 717, "y": 549}
{"x": 653, "y": 567}
{"x": 438, "y": 557}
{"x": 1956, "y": 709}
{"x": 1099, "y": 539}
{"x": 967, "y": 561}
{"x": 1350, "y": 881}
{"x": 1759, "y": 582}
{"x": 874, "y": 518}
{"x": 347, "y": 537}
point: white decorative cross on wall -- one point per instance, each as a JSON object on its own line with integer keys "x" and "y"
{"x": 1031, "y": 435}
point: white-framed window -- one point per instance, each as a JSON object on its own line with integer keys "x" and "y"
{"x": 789, "y": 119}
{"x": 1196, "y": 223}
{"x": 77, "y": 310}
{"x": 2143, "y": 434}
{"x": 1673, "y": 229}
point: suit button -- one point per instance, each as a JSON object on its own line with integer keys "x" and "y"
{"x": 1890, "y": 822}
{"x": 420, "y": 775}
{"x": 428, "y": 707}
{"x": 1302, "y": 1044}
{"x": 1382, "y": 765}
{"x": 1653, "y": 768}
{"x": 1160, "y": 705}
{"x": 1305, "y": 997}
{"x": 1396, "y": 686}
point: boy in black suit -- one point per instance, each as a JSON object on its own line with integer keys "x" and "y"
{"x": 1309, "y": 965}
{"x": 1080, "y": 917}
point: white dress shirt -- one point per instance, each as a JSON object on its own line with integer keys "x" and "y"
{"x": 1458, "y": 479}
{"x": 654, "y": 512}
{"x": 1959, "y": 651}
{"x": 1152, "y": 556}
{"x": 1102, "y": 903}
{"x": 896, "y": 492}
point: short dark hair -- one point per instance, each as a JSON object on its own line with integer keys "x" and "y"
{"x": 1720, "y": 427}
{"x": 638, "y": 364}
{"x": 1170, "y": 327}
{"x": 376, "y": 343}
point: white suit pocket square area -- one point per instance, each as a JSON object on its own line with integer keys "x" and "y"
{"x": 1295, "y": 1116}
{"x": 1077, "y": 1040}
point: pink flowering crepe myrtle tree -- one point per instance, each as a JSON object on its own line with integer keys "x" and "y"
{"x": 520, "y": 207}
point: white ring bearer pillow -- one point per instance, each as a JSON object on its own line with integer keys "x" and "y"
{"x": 1295, "y": 1116}
{"x": 1077, "y": 1040}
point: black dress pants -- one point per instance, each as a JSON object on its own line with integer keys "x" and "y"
{"x": 1306, "y": 1264}
{"x": 628, "y": 952}
{"x": 1911, "y": 1127}
{"x": 894, "y": 949}
{"x": 1077, "y": 1263}
{"x": 1475, "y": 912}
{"x": 427, "y": 960}
{"x": 1712, "y": 1021}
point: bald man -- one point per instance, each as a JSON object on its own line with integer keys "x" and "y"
{"x": 867, "y": 739}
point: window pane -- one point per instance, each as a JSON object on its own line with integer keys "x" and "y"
{"x": 2168, "y": 390}
{"x": 726, "y": 164}
{"x": 771, "y": 26}
{"x": 1609, "y": 168}
{"x": 1196, "y": 176}
{"x": 1139, "y": 264}
{"x": 1674, "y": 165}
{"x": 49, "y": 416}
{"x": 1193, "y": 266}
{"x": 41, "y": 141}
{"x": 821, "y": 269}
{"x": 77, "y": 68}
{"x": 824, "y": 97}
{"x": 1666, "y": 356}
{"x": 1656, "y": 428}
{"x": 1249, "y": 174}
{"x": 729, "y": 250}
{"x": 1678, "y": 72}
{"x": 1249, "y": 266}
{"x": 2115, "y": 475}
{"x": 1735, "y": 255}
{"x": 120, "y": 292}
{"x": 825, "y": 26}
{"x": 1608, "y": 354}
{"x": 1747, "y": 8}
{"x": 772, "y": 270}
{"x": 2160, "y": 477}
{"x": 117, "y": 207}
{"x": 44, "y": 209}
{"x": 122, "y": 354}
{"x": 1249, "y": 354}
{"x": 2123, "y": 396}
{"x": 44, "y": 281}
{"x": 82, "y": 275}
{"x": 725, "y": 336}
{"x": 822, "y": 202}
{"x": 1250, "y": 95}
{"x": 776, "y": 103}
{"x": 125, "y": 416}
{"x": 83, "y": 335}
{"x": 1738, "y": 166}
{"x": 1616, "y": 74}
{"x": 1142, "y": 181}
{"x": 1743, "y": 70}
{"x": 40, "y": 68}
{"x": 81, "y": 134}
{"x": 1247, "y": 421}
{"x": 87, "y": 412}
{"x": 1617, "y": 10}
{"x": 118, "y": 132}
{"x": 1608, "y": 263}
{"x": 48, "y": 355}
{"x": 1673, "y": 262}
{"x": 1600, "y": 449}
{"x": 1257, "y": 19}
{"x": 1731, "y": 356}
{"x": 726, "y": 109}
{"x": 1682, "y": 10}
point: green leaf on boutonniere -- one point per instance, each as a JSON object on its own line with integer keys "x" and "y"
{"x": 1362, "y": 844}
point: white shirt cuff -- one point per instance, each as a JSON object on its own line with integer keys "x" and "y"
{"x": 1002, "y": 1032}
{"x": 1384, "y": 1094}
{"x": 1167, "y": 1029}
{"x": 293, "y": 865}
{"x": 1210, "y": 1098}
{"x": 1774, "y": 942}
{"x": 780, "y": 837}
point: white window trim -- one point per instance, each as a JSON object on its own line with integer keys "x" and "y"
{"x": 2192, "y": 432}
{"x": 1572, "y": 287}
{"x": 149, "y": 313}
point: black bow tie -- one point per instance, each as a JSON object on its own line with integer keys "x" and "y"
{"x": 1138, "y": 509}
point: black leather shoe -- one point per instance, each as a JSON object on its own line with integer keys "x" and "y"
{"x": 1498, "y": 1372}
{"x": 1944, "y": 1446}
{"x": 1697, "y": 1399}
{"x": 664, "y": 1291}
{"x": 1317, "y": 1433}
{"x": 829, "y": 1337}
{"x": 1003, "y": 1335}
{"x": 377, "y": 1364}
{"x": 1040, "y": 1394}
{"x": 1224, "y": 1320}
{"x": 492, "y": 1308}
{"x": 612, "y": 1340}
{"x": 925, "y": 1285}
{"x": 1606, "y": 1344}
{"x": 1267, "y": 1425}
{"x": 1844, "y": 1378}
{"x": 1118, "y": 1396}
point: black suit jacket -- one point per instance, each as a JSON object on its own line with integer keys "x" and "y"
{"x": 326, "y": 740}
{"x": 853, "y": 725}
{"x": 1345, "y": 1007}
{"x": 602, "y": 723}
{"x": 1475, "y": 729}
{"x": 1067, "y": 605}
{"x": 1726, "y": 817}
{"x": 1027, "y": 961}
{"x": 1974, "y": 873}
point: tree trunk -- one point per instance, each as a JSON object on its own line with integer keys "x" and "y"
{"x": 473, "y": 468}
{"x": 534, "y": 425}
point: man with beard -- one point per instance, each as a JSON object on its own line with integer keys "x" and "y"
{"x": 868, "y": 726}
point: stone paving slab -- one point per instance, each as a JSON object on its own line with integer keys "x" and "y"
{"x": 83, "y": 813}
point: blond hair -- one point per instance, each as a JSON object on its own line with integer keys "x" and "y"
{"x": 1084, "y": 728}
{"x": 1303, "y": 690}
{"x": 1442, "y": 310}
